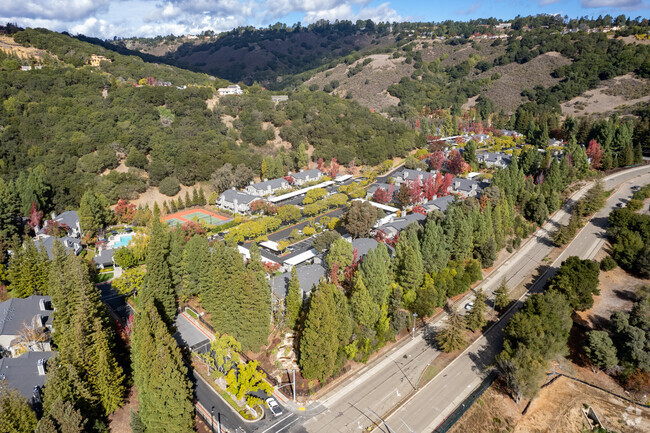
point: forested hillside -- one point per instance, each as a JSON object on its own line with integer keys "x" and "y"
{"x": 65, "y": 125}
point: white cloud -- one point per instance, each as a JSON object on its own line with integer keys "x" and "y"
{"x": 108, "y": 18}
{"x": 547, "y": 2}
{"x": 614, "y": 4}
{"x": 469, "y": 10}
{"x": 63, "y": 10}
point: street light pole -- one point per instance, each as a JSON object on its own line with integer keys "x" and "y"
{"x": 294, "y": 385}
{"x": 212, "y": 419}
{"x": 415, "y": 315}
{"x": 390, "y": 430}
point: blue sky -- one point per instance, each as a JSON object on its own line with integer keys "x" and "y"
{"x": 108, "y": 18}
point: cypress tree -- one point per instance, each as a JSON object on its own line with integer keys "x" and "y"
{"x": 257, "y": 305}
{"x": 180, "y": 204}
{"x": 375, "y": 271}
{"x": 188, "y": 200}
{"x": 195, "y": 197}
{"x": 476, "y": 317}
{"x": 364, "y": 310}
{"x": 173, "y": 206}
{"x": 202, "y": 200}
{"x": 452, "y": 337}
{"x": 157, "y": 288}
{"x": 428, "y": 298}
{"x": 15, "y": 414}
{"x": 409, "y": 269}
{"x": 104, "y": 372}
{"x": 294, "y": 300}
{"x": 501, "y": 300}
{"x": 160, "y": 376}
{"x": 434, "y": 253}
{"x": 319, "y": 340}
{"x": 175, "y": 259}
{"x": 195, "y": 269}
{"x": 166, "y": 207}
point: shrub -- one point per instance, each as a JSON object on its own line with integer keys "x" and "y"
{"x": 634, "y": 205}
{"x": 608, "y": 263}
{"x": 169, "y": 186}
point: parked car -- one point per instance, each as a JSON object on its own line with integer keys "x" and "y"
{"x": 274, "y": 407}
{"x": 469, "y": 305}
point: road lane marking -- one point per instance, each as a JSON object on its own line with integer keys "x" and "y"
{"x": 280, "y": 421}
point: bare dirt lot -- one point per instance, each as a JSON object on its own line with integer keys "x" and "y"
{"x": 611, "y": 95}
{"x": 557, "y": 409}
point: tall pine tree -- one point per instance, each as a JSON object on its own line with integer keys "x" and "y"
{"x": 158, "y": 286}
{"x": 293, "y": 300}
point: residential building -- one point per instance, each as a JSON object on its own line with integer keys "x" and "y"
{"x": 26, "y": 374}
{"x": 279, "y": 98}
{"x": 233, "y": 89}
{"x": 267, "y": 187}
{"x": 391, "y": 229}
{"x": 25, "y": 68}
{"x": 20, "y": 314}
{"x": 104, "y": 258}
{"x": 494, "y": 159}
{"x": 302, "y": 177}
{"x": 363, "y": 245}
{"x": 96, "y": 60}
{"x": 440, "y": 203}
{"x": 308, "y": 275}
{"x": 465, "y": 187}
{"x": 480, "y": 138}
{"x": 406, "y": 174}
{"x": 236, "y": 201}
{"x": 73, "y": 245}
{"x": 377, "y": 185}
{"x": 68, "y": 220}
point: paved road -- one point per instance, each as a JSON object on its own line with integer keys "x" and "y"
{"x": 429, "y": 407}
{"x": 388, "y": 381}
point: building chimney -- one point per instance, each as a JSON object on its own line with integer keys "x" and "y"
{"x": 40, "y": 365}
{"x": 41, "y": 304}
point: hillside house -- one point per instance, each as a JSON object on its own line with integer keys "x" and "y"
{"x": 302, "y": 177}
{"x": 494, "y": 159}
{"x": 308, "y": 275}
{"x": 440, "y": 203}
{"x": 465, "y": 187}
{"x": 96, "y": 60}
{"x": 391, "y": 229}
{"x": 267, "y": 187}
{"x": 26, "y": 374}
{"x": 406, "y": 174}
{"x": 34, "y": 315}
{"x": 68, "y": 220}
{"x": 73, "y": 245}
{"x": 279, "y": 98}
{"x": 236, "y": 201}
{"x": 233, "y": 89}
{"x": 104, "y": 258}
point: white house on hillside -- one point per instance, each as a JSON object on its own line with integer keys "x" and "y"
{"x": 230, "y": 90}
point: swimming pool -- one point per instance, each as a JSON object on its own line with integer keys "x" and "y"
{"x": 121, "y": 240}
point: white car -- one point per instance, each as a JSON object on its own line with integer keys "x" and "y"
{"x": 469, "y": 305}
{"x": 274, "y": 407}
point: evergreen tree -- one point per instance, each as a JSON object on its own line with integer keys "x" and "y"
{"x": 104, "y": 372}
{"x": 196, "y": 201}
{"x": 628, "y": 155}
{"x": 434, "y": 253}
{"x": 175, "y": 259}
{"x": 202, "y": 200}
{"x": 458, "y": 233}
{"x": 375, "y": 271}
{"x": 166, "y": 207}
{"x": 158, "y": 288}
{"x": 180, "y": 204}
{"x": 173, "y": 206}
{"x": 188, "y": 200}
{"x": 319, "y": 340}
{"x": 160, "y": 376}
{"x": 341, "y": 252}
{"x": 293, "y": 300}
{"x": 428, "y": 298}
{"x": 63, "y": 417}
{"x": 256, "y": 304}
{"x": 94, "y": 212}
{"x": 409, "y": 269}
{"x": 195, "y": 266}
{"x": 28, "y": 270}
{"x": 501, "y": 300}
{"x": 9, "y": 210}
{"x": 15, "y": 414}
{"x": 600, "y": 349}
{"x": 452, "y": 337}
{"x": 364, "y": 310}
{"x": 476, "y": 317}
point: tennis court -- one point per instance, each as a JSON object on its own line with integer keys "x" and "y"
{"x": 201, "y": 215}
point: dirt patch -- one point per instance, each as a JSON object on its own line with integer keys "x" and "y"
{"x": 617, "y": 293}
{"x": 611, "y": 95}
{"x": 557, "y": 409}
{"x": 152, "y": 195}
{"x": 120, "y": 420}
{"x": 9, "y": 46}
{"x": 368, "y": 87}
{"x": 515, "y": 78}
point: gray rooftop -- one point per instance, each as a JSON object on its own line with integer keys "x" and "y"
{"x": 312, "y": 174}
{"x": 231, "y": 195}
{"x": 48, "y": 243}
{"x": 69, "y": 218}
{"x": 22, "y": 372}
{"x": 105, "y": 257}
{"x": 462, "y": 184}
{"x": 16, "y": 312}
{"x": 364, "y": 245}
{"x": 308, "y": 276}
{"x": 441, "y": 202}
{"x": 273, "y": 183}
{"x": 187, "y": 334}
{"x": 401, "y": 223}
{"x": 374, "y": 187}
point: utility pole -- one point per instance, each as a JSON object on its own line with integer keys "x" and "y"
{"x": 212, "y": 419}
{"x": 390, "y": 430}
{"x": 294, "y": 385}
{"x": 415, "y": 315}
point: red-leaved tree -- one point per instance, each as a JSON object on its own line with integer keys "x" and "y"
{"x": 445, "y": 184}
{"x": 382, "y": 195}
{"x": 321, "y": 165}
{"x": 595, "y": 153}
{"x": 437, "y": 159}
{"x": 124, "y": 211}
{"x": 415, "y": 191}
{"x": 192, "y": 228}
{"x": 455, "y": 162}
{"x": 35, "y": 216}
{"x": 334, "y": 167}
{"x": 428, "y": 187}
